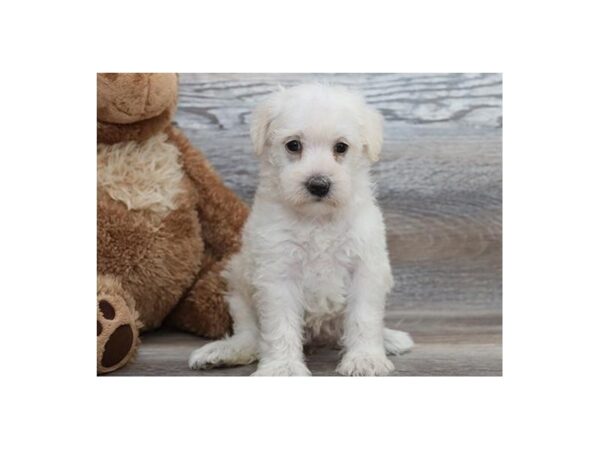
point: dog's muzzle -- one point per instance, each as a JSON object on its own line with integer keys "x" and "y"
{"x": 318, "y": 185}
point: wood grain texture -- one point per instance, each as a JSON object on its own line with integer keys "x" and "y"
{"x": 440, "y": 188}
{"x": 447, "y": 344}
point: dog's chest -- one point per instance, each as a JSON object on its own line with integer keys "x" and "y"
{"x": 326, "y": 270}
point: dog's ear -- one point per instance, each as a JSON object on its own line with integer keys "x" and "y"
{"x": 259, "y": 127}
{"x": 260, "y": 122}
{"x": 373, "y": 133}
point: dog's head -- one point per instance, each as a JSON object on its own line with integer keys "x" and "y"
{"x": 316, "y": 144}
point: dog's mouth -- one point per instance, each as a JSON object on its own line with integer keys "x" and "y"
{"x": 326, "y": 201}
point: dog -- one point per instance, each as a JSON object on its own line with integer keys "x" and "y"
{"x": 313, "y": 266}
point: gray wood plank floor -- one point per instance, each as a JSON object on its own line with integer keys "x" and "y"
{"x": 440, "y": 188}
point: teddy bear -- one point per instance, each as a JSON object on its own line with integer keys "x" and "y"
{"x": 166, "y": 223}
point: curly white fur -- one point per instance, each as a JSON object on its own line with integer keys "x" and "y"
{"x": 311, "y": 268}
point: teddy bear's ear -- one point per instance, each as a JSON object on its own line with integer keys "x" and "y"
{"x": 373, "y": 133}
{"x": 261, "y": 120}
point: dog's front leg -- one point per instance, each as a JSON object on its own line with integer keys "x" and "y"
{"x": 363, "y": 324}
{"x": 281, "y": 316}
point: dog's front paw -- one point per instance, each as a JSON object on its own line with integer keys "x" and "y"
{"x": 282, "y": 369}
{"x": 365, "y": 364}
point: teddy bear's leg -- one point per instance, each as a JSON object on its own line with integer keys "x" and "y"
{"x": 117, "y": 327}
{"x": 203, "y": 311}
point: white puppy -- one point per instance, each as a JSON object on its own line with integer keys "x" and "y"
{"x": 314, "y": 265}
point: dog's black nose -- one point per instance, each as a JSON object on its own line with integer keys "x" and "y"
{"x": 318, "y": 185}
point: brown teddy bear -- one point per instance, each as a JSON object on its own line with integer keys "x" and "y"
{"x": 166, "y": 222}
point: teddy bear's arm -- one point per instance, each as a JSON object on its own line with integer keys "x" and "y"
{"x": 222, "y": 215}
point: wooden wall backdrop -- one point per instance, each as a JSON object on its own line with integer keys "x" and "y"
{"x": 439, "y": 185}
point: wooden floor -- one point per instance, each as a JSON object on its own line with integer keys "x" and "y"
{"x": 448, "y": 344}
{"x": 440, "y": 188}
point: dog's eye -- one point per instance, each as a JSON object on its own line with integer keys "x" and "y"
{"x": 340, "y": 148}
{"x": 294, "y": 146}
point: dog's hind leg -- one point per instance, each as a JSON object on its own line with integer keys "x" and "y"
{"x": 396, "y": 342}
{"x": 236, "y": 350}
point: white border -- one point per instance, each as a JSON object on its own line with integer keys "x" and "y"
{"x": 50, "y": 395}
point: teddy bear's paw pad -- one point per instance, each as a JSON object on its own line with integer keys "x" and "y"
{"x": 106, "y": 309}
{"x": 118, "y": 346}
{"x": 116, "y": 333}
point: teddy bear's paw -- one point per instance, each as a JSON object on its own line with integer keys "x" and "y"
{"x": 116, "y": 332}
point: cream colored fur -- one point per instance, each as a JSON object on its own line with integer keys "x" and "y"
{"x": 144, "y": 176}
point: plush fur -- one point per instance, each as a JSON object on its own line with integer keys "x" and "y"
{"x": 166, "y": 227}
{"x": 312, "y": 268}
{"x": 127, "y": 98}
{"x": 113, "y": 133}
{"x": 146, "y": 176}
